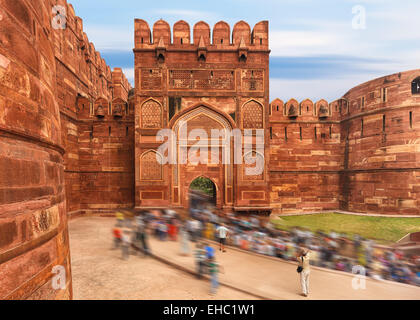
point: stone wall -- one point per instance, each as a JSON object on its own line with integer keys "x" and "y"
{"x": 361, "y": 156}
{"x": 214, "y": 80}
{"x": 381, "y": 134}
{"x": 97, "y": 123}
{"x": 306, "y": 156}
{"x": 60, "y": 153}
{"x": 33, "y": 220}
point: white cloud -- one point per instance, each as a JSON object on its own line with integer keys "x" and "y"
{"x": 300, "y": 43}
{"x": 129, "y": 73}
{"x": 315, "y": 89}
{"x": 106, "y": 37}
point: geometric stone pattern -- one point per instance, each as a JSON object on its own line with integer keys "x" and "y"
{"x": 252, "y": 115}
{"x": 151, "y": 115}
{"x": 202, "y": 79}
{"x": 206, "y": 83}
{"x": 150, "y": 167}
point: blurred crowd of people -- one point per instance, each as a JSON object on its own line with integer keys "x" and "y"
{"x": 328, "y": 250}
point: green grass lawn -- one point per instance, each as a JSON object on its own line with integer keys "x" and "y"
{"x": 379, "y": 228}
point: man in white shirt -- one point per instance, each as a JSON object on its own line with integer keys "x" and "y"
{"x": 303, "y": 259}
{"x": 223, "y": 233}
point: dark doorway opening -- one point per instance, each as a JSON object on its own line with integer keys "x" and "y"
{"x": 202, "y": 193}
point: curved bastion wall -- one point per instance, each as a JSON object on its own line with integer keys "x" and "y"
{"x": 381, "y": 137}
{"x": 33, "y": 221}
{"x": 360, "y": 153}
{"x": 66, "y": 143}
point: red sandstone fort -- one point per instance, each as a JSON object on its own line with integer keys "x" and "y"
{"x": 75, "y": 138}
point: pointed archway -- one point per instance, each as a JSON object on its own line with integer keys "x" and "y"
{"x": 206, "y": 118}
{"x": 202, "y": 192}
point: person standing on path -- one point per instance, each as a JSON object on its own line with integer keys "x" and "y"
{"x": 304, "y": 270}
{"x": 222, "y": 232}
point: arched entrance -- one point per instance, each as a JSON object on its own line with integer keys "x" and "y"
{"x": 202, "y": 192}
{"x": 207, "y": 119}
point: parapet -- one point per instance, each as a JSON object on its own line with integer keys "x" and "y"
{"x": 305, "y": 110}
{"x": 242, "y": 35}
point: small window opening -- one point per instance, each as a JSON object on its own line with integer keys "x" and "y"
{"x": 415, "y": 86}
{"x": 300, "y": 133}
{"x": 362, "y": 128}
{"x": 411, "y": 119}
{"x": 285, "y": 134}
{"x": 383, "y": 123}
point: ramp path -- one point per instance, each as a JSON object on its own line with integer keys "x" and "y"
{"x": 247, "y": 275}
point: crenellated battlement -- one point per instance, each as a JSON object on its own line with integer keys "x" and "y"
{"x": 161, "y": 35}
{"x": 304, "y": 110}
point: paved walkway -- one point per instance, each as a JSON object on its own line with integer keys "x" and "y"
{"x": 100, "y": 273}
{"x": 262, "y": 276}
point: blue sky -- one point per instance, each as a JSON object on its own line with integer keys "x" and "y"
{"x": 316, "y": 53}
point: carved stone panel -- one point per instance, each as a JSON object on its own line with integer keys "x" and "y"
{"x": 151, "y": 115}
{"x": 150, "y": 167}
{"x": 252, "y": 113}
{"x": 202, "y": 79}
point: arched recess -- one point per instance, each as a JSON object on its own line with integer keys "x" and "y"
{"x": 213, "y": 118}
{"x": 292, "y": 108}
{"x": 184, "y": 114}
{"x": 151, "y": 168}
{"x": 252, "y": 115}
{"x": 322, "y": 108}
{"x": 212, "y": 196}
{"x": 151, "y": 114}
{"x": 253, "y": 170}
{"x": 101, "y": 107}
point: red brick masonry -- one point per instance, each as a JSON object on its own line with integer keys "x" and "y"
{"x": 75, "y": 138}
